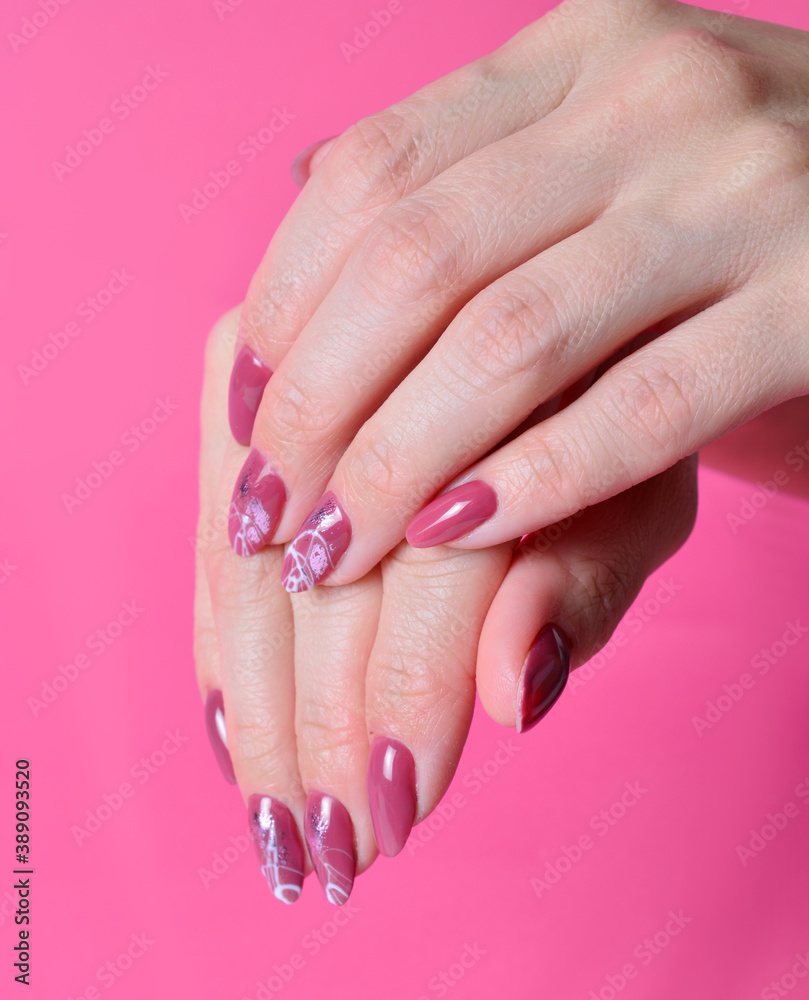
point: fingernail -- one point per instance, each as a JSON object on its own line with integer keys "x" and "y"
{"x": 247, "y": 382}
{"x": 318, "y": 547}
{"x": 278, "y": 846}
{"x": 452, "y": 514}
{"x": 330, "y": 839}
{"x": 544, "y": 675}
{"x": 301, "y": 166}
{"x": 256, "y": 504}
{"x": 215, "y": 724}
{"x": 391, "y": 793}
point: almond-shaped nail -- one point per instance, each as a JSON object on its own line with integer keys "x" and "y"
{"x": 300, "y": 168}
{"x": 330, "y": 838}
{"x": 318, "y": 547}
{"x": 453, "y": 514}
{"x": 544, "y": 675}
{"x": 278, "y": 846}
{"x": 391, "y": 793}
{"x": 215, "y": 724}
{"x": 255, "y": 508}
{"x": 247, "y": 383}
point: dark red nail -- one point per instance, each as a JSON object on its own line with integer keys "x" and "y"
{"x": 330, "y": 839}
{"x": 452, "y": 514}
{"x": 255, "y": 508}
{"x": 318, "y": 547}
{"x": 544, "y": 675}
{"x": 278, "y": 846}
{"x": 215, "y": 724}
{"x": 247, "y": 382}
{"x": 299, "y": 168}
{"x": 391, "y": 793}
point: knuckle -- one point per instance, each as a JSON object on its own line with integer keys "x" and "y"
{"x": 326, "y": 743}
{"x": 780, "y": 150}
{"x": 656, "y": 407}
{"x": 408, "y": 687}
{"x": 297, "y": 416}
{"x": 374, "y": 470}
{"x": 543, "y": 461}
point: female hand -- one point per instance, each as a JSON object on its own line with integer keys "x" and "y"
{"x": 342, "y": 712}
{"x": 470, "y": 252}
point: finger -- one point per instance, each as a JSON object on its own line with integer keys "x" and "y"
{"x": 682, "y": 391}
{"x": 420, "y": 686}
{"x": 334, "y": 633}
{"x": 566, "y": 591}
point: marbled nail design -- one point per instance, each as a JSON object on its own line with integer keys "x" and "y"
{"x": 391, "y": 793}
{"x": 247, "y": 383}
{"x": 278, "y": 846}
{"x": 255, "y": 508}
{"x": 317, "y": 548}
{"x": 330, "y": 839}
{"x": 452, "y": 514}
{"x": 544, "y": 675}
{"x": 215, "y": 724}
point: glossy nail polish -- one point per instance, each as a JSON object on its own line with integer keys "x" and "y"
{"x": 544, "y": 675}
{"x": 247, "y": 382}
{"x": 330, "y": 838}
{"x": 300, "y": 166}
{"x": 318, "y": 547}
{"x": 452, "y": 514}
{"x": 391, "y": 793}
{"x": 215, "y": 724}
{"x": 278, "y": 846}
{"x": 255, "y": 508}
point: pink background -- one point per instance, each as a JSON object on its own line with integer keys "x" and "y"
{"x": 465, "y": 880}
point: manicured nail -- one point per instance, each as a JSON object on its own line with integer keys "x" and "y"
{"x": 215, "y": 724}
{"x": 247, "y": 382}
{"x": 301, "y": 165}
{"x": 278, "y": 846}
{"x": 318, "y": 547}
{"x": 391, "y": 793}
{"x": 256, "y": 504}
{"x": 330, "y": 839}
{"x": 544, "y": 675}
{"x": 452, "y": 514}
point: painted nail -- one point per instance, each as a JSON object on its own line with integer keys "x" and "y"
{"x": 247, "y": 382}
{"x": 278, "y": 846}
{"x": 215, "y": 724}
{"x": 330, "y": 839}
{"x": 318, "y": 547}
{"x": 391, "y": 793}
{"x": 300, "y": 167}
{"x": 255, "y": 507}
{"x": 544, "y": 675}
{"x": 452, "y": 514}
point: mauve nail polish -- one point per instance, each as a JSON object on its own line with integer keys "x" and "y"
{"x": 255, "y": 508}
{"x": 452, "y": 514}
{"x": 391, "y": 793}
{"x": 215, "y": 724}
{"x": 247, "y": 382}
{"x": 330, "y": 839}
{"x": 317, "y": 548}
{"x": 278, "y": 846}
{"x": 544, "y": 675}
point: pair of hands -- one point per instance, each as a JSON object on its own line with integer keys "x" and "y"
{"x": 583, "y": 257}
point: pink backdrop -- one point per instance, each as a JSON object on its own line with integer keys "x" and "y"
{"x": 658, "y": 902}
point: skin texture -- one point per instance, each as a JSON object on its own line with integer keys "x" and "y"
{"x": 458, "y": 258}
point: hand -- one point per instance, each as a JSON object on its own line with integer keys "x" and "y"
{"x": 619, "y": 165}
{"x": 342, "y": 712}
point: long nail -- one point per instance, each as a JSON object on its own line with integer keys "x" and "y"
{"x": 215, "y": 724}
{"x": 544, "y": 675}
{"x": 452, "y": 514}
{"x": 391, "y": 793}
{"x": 318, "y": 547}
{"x": 278, "y": 846}
{"x": 247, "y": 383}
{"x": 255, "y": 508}
{"x": 300, "y": 167}
{"x": 330, "y": 839}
